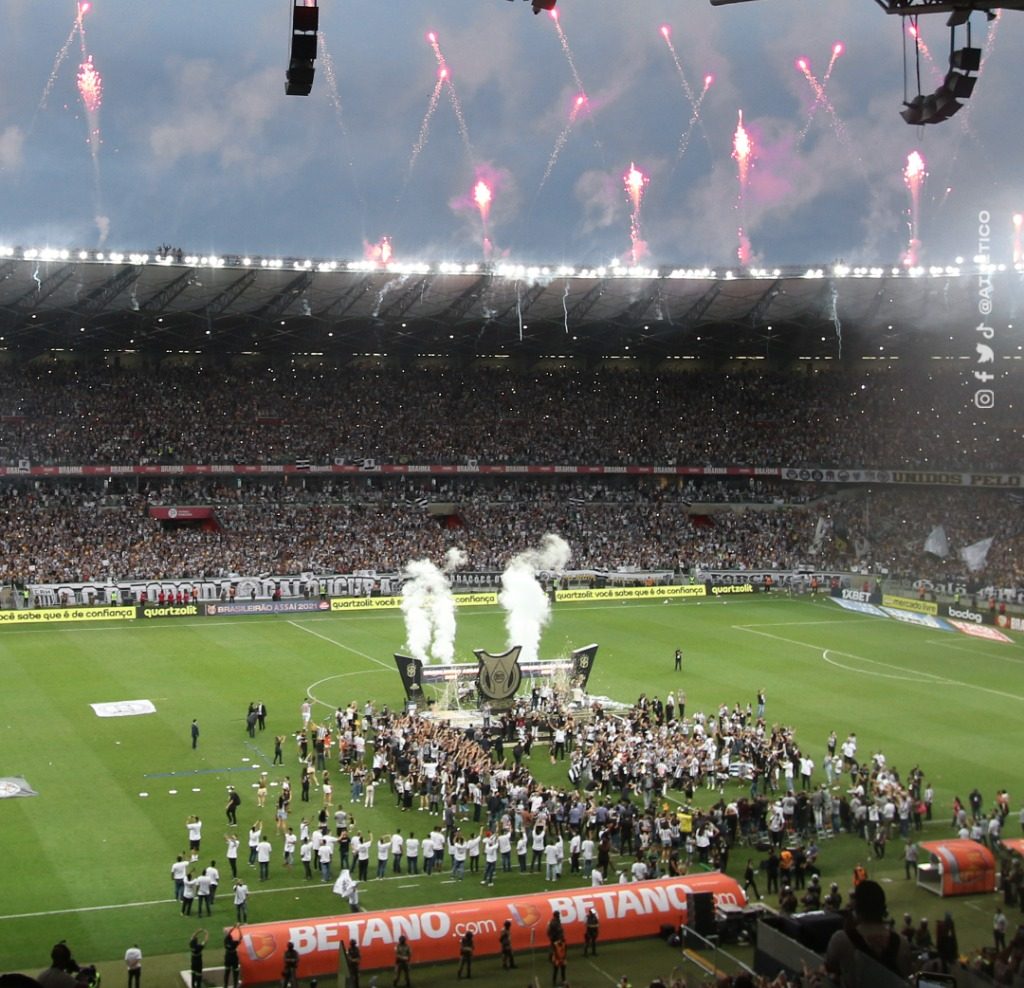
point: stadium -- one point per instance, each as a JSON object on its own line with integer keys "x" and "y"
{"x": 752, "y": 535}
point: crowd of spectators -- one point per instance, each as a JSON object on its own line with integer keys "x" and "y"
{"x": 70, "y": 532}
{"x": 63, "y": 413}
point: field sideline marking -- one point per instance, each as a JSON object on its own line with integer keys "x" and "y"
{"x": 163, "y": 902}
{"x": 596, "y": 967}
{"x": 931, "y": 677}
{"x": 348, "y": 648}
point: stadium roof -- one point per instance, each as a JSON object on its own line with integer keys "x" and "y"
{"x": 89, "y": 301}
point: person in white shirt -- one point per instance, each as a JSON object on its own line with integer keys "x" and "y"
{"x": 551, "y": 862}
{"x": 412, "y": 854}
{"x": 195, "y": 832}
{"x": 306, "y": 857}
{"x": 233, "y": 843}
{"x": 428, "y": 856}
{"x": 214, "y": 875}
{"x": 521, "y": 845}
{"x": 254, "y": 840}
{"x": 397, "y": 850}
{"x": 383, "y": 850}
{"x": 264, "y": 850}
{"x": 241, "y": 898}
{"x": 538, "y": 842}
{"x": 438, "y": 838}
{"x": 575, "y": 846}
{"x": 290, "y": 840}
{"x": 178, "y": 872}
{"x": 325, "y": 854}
{"x": 587, "y": 853}
{"x": 596, "y": 878}
{"x": 457, "y": 849}
{"x": 490, "y": 859}
{"x": 639, "y": 870}
{"x": 505, "y": 850}
{"x": 473, "y": 851}
{"x": 133, "y": 962}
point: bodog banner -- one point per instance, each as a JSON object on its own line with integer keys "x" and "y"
{"x": 625, "y": 912}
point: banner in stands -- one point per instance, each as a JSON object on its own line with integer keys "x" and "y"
{"x": 434, "y": 931}
{"x": 632, "y": 593}
{"x": 46, "y": 615}
{"x": 362, "y": 468}
{"x": 181, "y": 513}
{"x": 780, "y": 577}
{"x": 233, "y": 607}
{"x": 910, "y": 604}
{"x": 169, "y": 611}
{"x": 303, "y": 587}
{"x": 385, "y": 603}
{"x": 962, "y": 612}
{"x": 931, "y": 478}
{"x": 370, "y": 467}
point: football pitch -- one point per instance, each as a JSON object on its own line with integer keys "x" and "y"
{"x": 88, "y": 858}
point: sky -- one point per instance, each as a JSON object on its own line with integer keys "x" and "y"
{"x": 193, "y": 142}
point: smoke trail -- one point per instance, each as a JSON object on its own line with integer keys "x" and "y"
{"x": 527, "y": 607}
{"x": 429, "y": 609}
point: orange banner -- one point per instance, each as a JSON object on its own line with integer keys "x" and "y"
{"x": 625, "y": 912}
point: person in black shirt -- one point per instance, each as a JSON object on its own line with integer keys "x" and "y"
{"x": 231, "y": 970}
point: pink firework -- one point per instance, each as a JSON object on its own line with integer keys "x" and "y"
{"x": 577, "y": 106}
{"x": 90, "y": 85}
{"x": 923, "y": 49}
{"x": 482, "y": 196}
{"x": 1018, "y": 223}
{"x": 742, "y": 152}
{"x": 636, "y": 183}
{"x": 821, "y": 98}
{"x": 914, "y": 175}
{"x": 837, "y": 50}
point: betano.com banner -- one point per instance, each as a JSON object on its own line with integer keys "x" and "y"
{"x": 433, "y": 932}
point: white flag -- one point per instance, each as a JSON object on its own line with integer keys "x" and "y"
{"x": 937, "y": 543}
{"x": 974, "y": 555}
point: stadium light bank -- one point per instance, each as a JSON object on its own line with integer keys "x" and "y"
{"x": 513, "y": 272}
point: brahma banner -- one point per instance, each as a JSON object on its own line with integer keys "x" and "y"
{"x": 434, "y": 931}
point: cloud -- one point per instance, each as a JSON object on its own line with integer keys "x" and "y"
{"x": 601, "y": 198}
{"x": 12, "y": 144}
{"x": 229, "y": 123}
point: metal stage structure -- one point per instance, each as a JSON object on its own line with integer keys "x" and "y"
{"x": 494, "y": 678}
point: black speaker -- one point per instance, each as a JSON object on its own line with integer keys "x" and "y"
{"x": 302, "y": 52}
{"x": 700, "y": 912}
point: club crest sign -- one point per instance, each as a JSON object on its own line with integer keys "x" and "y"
{"x": 500, "y": 675}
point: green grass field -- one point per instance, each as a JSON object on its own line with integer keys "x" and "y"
{"x": 88, "y": 859}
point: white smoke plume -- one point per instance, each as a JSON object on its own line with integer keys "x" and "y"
{"x": 429, "y": 608}
{"x": 527, "y": 607}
